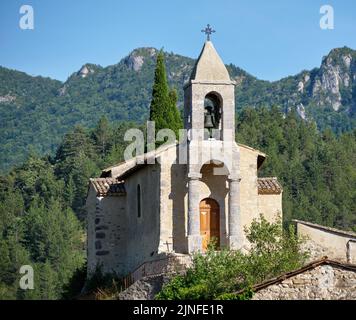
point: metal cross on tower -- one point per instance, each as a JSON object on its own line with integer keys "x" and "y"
{"x": 208, "y": 31}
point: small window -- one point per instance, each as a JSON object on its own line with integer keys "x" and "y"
{"x": 138, "y": 201}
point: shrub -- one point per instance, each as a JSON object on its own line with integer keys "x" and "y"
{"x": 217, "y": 274}
{"x": 103, "y": 285}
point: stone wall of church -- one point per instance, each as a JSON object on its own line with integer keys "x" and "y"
{"x": 248, "y": 187}
{"x": 91, "y": 203}
{"x": 106, "y": 228}
{"x": 173, "y": 194}
{"x": 142, "y": 234}
{"x": 118, "y": 238}
{"x": 270, "y": 205}
{"x": 323, "y": 282}
{"x": 178, "y": 206}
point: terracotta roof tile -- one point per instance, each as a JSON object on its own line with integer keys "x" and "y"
{"x": 108, "y": 187}
{"x": 269, "y": 186}
{"x": 115, "y": 187}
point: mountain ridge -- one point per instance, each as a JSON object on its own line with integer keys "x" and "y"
{"x": 37, "y": 111}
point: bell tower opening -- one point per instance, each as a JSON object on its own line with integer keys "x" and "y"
{"x": 212, "y": 116}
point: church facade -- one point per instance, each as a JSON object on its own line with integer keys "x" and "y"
{"x": 182, "y": 195}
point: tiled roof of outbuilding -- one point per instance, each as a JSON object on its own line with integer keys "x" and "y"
{"x": 108, "y": 187}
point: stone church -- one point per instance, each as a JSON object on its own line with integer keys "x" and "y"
{"x": 183, "y": 194}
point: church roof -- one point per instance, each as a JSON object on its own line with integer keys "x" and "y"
{"x": 269, "y": 186}
{"x": 116, "y": 187}
{"x": 135, "y": 162}
{"x": 209, "y": 66}
{"x": 129, "y": 165}
{"x": 108, "y": 187}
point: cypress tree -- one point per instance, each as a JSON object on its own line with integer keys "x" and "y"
{"x": 163, "y": 109}
{"x": 160, "y": 95}
{"x": 177, "y": 122}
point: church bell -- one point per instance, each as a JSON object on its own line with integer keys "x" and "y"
{"x": 208, "y": 121}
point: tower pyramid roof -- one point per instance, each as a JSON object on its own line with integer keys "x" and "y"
{"x": 209, "y": 66}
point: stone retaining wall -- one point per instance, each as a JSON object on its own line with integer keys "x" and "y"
{"x": 145, "y": 289}
{"x": 324, "y": 282}
{"x": 322, "y": 241}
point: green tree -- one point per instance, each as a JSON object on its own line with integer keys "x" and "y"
{"x": 218, "y": 274}
{"x": 36, "y": 177}
{"x": 76, "y": 159}
{"x": 102, "y": 136}
{"x": 53, "y": 235}
{"x": 160, "y": 92}
{"x": 163, "y": 108}
{"x": 177, "y": 122}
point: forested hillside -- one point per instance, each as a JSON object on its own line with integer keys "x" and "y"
{"x": 317, "y": 169}
{"x": 42, "y": 213}
{"x": 36, "y": 112}
{"x": 42, "y": 201}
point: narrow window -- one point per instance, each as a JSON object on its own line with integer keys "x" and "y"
{"x": 138, "y": 201}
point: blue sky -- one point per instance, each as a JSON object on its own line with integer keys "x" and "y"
{"x": 269, "y": 39}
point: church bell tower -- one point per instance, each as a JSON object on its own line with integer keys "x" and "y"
{"x": 209, "y": 117}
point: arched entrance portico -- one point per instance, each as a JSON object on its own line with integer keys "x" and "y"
{"x": 209, "y": 222}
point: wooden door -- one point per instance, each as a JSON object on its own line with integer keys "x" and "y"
{"x": 209, "y": 221}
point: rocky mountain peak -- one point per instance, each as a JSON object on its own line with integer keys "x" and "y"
{"x": 85, "y": 71}
{"x": 335, "y": 77}
{"x": 136, "y": 58}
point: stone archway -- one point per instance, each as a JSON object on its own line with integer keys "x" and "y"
{"x": 209, "y": 222}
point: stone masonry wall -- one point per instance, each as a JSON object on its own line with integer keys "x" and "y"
{"x": 324, "y": 282}
{"x": 248, "y": 189}
{"x": 270, "y": 205}
{"x": 322, "y": 241}
{"x": 145, "y": 289}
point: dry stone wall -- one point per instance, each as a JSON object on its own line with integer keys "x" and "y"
{"x": 324, "y": 282}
